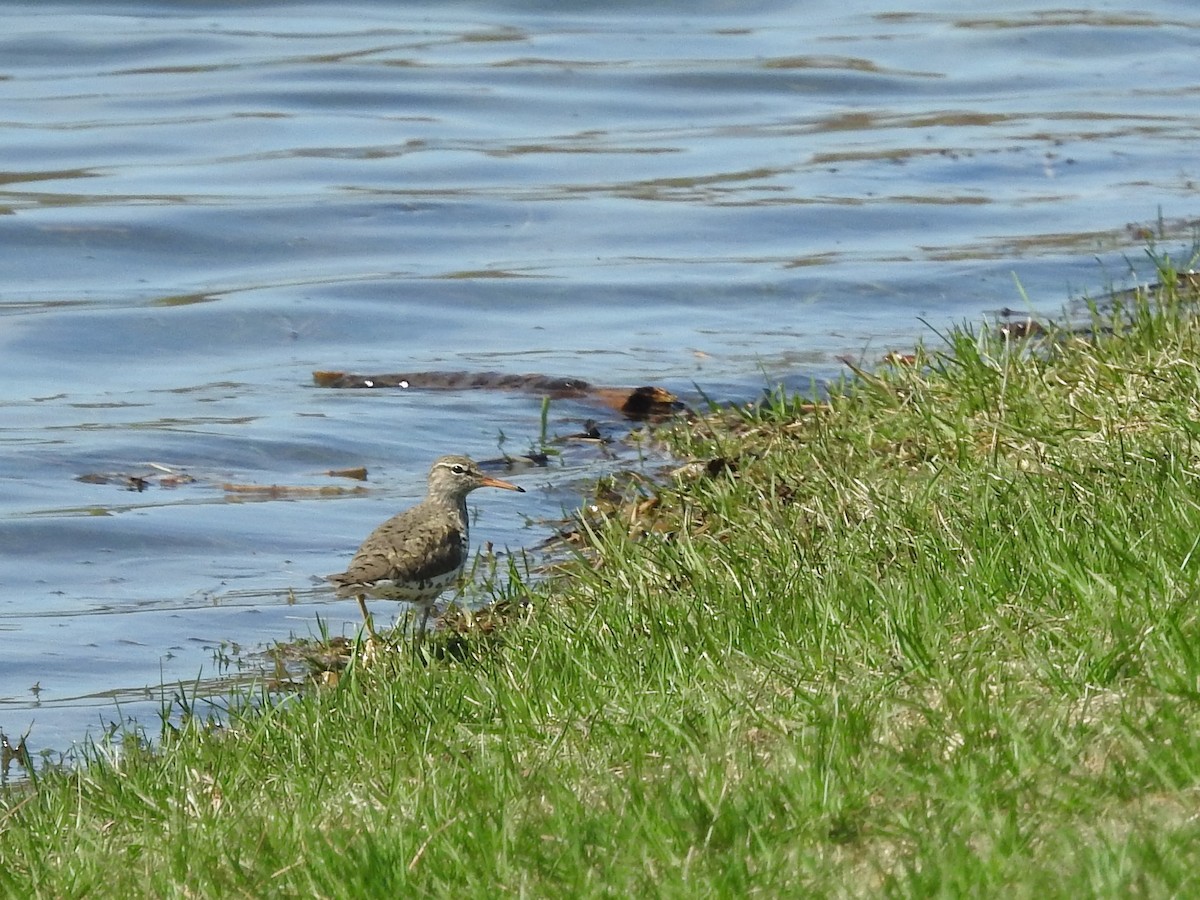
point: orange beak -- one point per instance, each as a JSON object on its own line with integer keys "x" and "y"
{"x": 488, "y": 481}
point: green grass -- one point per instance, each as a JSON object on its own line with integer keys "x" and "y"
{"x": 938, "y": 637}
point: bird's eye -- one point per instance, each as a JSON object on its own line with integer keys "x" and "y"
{"x": 458, "y": 470}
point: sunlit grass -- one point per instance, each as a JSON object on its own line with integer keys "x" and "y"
{"x": 940, "y": 635}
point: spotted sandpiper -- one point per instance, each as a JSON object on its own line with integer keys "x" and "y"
{"x": 418, "y": 553}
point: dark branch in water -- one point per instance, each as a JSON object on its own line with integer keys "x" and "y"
{"x": 646, "y": 402}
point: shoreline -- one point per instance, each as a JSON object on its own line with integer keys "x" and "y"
{"x": 933, "y": 633}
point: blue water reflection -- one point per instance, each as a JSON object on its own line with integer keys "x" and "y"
{"x": 202, "y": 203}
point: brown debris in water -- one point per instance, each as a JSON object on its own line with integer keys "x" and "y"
{"x": 646, "y": 402}
{"x": 1015, "y": 325}
{"x": 638, "y": 403}
{"x": 591, "y": 434}
{"x": 10, "y": 753}
{"x": 281, "y": 491}
{"x": 359, "y": 474}
{"x": 455, "y": 381}
{"x": 1022, "y": 328}
{"x": 163, "y": 476}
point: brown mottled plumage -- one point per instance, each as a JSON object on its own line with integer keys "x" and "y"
{"x": 417, "y": 554}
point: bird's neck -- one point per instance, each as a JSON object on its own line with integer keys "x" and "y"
{"x": 455, "y": 505}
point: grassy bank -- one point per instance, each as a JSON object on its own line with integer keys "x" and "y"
{"x": 938, "y": 636}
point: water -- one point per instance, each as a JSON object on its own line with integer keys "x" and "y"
{"x": 205, "y": 202}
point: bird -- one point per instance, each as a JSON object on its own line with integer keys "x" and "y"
{"x": 418, "y": 553}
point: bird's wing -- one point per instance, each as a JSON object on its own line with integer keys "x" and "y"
{"x": 404, "y": 549}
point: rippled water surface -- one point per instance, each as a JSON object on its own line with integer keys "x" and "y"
{"x": 204, "y": 202}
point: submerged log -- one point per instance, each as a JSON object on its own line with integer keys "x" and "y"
{"x": 639, "y": 403}
{"x": 455, "y": 381}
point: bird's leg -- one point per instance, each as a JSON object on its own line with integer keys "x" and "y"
{"x": 362, "y": 604}
{"x": 418, "y": 638}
